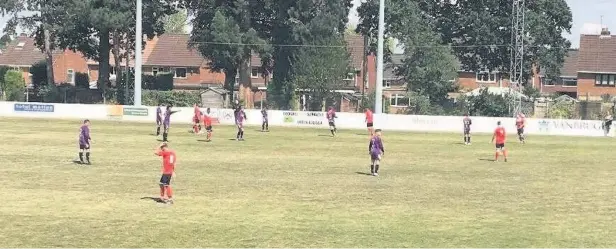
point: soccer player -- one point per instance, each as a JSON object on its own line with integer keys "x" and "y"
{"x": 197, "y": 120}
{"x": 370, "y": 121}
{"x": 500, "y": 136}
{"x": 169, "y": 159}
{"x": 331, "y": 116}
{"x": 207, "y": 122}
{"x": 265, "y": 125}
{"x": 467, "y": 129}
{"x": 84, "y": 142}
{"x": 167, "y": 122}
{"x": 240, "y": 117}
{"x": 159, "y": 118}
{"x": 376, "y": 150}
{"x": 520, "y": 123}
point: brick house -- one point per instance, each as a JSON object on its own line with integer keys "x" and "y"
{"x": 21, "y": 54}
{"x": 588, "y": 73}
{"x": 170, "y": 53}
{"x": 566, "y": 84}
{"x": 596, "y": 66}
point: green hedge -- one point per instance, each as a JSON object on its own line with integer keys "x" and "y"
{"x": 175, "y": 98}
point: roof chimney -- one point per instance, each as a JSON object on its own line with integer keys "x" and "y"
{"x": 605, "y": 32}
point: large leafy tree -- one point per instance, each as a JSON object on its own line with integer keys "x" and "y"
{"x": 176, "y": 23}
{"x": 299, "y": 24}
{"x": 227, "y": 33}
{"x": 480, "y": 32}
{"x": 90, "y": 27}
{"x": 429, "y": 65}
{"x": 321, "y": 70}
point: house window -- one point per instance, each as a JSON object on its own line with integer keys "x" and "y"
{"x": 399, "y": 100}
{"x": 569, "y": 82}
{"x": 350, "y": 76}
{"x": 180, "y": 72}
{"x": 605, "y": 79}
{"x": 386, "y": 83}
{"x": 486, "y": 77}
{"x": 254, "y": 73}
{"x": 112, "y": 70}
{"x": 70, "y": 76}
{"x": 154, "y": 71}
{"x": 547, "y": 82}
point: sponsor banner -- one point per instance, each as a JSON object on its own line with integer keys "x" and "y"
{"x": 304, "y": 118}
{"x": 21, "y": 107}
{"x": 571, "y": 127}
{"x": 115, "y": 111}
{"x": 135, "y": 111}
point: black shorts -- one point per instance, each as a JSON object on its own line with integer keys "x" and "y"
{"x": 520, "y": 131}
{"x": 500, "y": 146}
{"x": 159, "y": 122}
{"x": 467, "y": 131}
{"x": 165, "y": 179}
{"x": 332, "y": 124}
{"x": 208, "y": 128}
{"x": 370, "y": 125}
{"x": 84, "y": 146}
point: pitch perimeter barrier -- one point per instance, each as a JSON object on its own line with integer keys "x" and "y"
{"x": 391, "y": 122}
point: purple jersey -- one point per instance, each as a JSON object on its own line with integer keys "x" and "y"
{"x": 84, "y": 135}
{"x": 376, "y": 146}
{"x": 264, "y": 114}
{"x": 240, "y": 116}
{"x": 331, "y": 115}
{"x": 159, "y": 114}
{"x": 167, "y": 118}
{"x": 467, "y": 124}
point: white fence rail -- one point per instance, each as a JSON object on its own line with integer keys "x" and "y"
{"x": 563, "y": 127}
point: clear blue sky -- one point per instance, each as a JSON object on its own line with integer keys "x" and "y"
{"x": 586, "y": 17}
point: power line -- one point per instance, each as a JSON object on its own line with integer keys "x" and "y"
{"x": 343, "y": 46}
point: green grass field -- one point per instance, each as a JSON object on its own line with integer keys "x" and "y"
{"x": 301, "y": 188}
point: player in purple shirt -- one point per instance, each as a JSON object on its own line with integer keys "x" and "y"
{"x": 467, "y": 129}
{"x": 376, "y": 150}
{"x": 159, "y": 118}
{"x": 240, "y": 117}
{"x": 265, "y": 125}
{"x": 84, "y": 142}
{"x": 167, "y": 122}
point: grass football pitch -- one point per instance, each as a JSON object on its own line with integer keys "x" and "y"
{"x": 301, "y": 188}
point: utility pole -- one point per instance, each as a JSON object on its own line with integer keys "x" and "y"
{"x": 138, "y": 50}
{"x": 517, "y": 56}
{"x": 378, "y": 102}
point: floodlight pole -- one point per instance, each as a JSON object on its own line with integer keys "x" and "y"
{"x": 378, "y": 103}
{"x": 138, "y": 57}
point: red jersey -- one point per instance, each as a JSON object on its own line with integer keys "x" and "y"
{"x": 369, "y": 116}
{"x": 207, "y": 120}
{"x": 169, "y": 159}
{"x": 500, "y": 135}
{"x": 197, "y": 112}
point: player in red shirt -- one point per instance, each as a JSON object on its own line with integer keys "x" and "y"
{"x": 207, "y": 122}
{"x": 370, "y": 121}
{"x": 169, "y": 159}
{"x": 500, "y": 135}
{"x": 197, "y": 120}
{"x": 520, "y": 123}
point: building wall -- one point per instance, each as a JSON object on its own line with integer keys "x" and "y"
{"x": 68, "y": 60}
{"x": 587, "y": 89}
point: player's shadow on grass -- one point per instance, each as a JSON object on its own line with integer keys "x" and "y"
{"x": 323, "y": 135}
{"x": 487, "y": 160}
{"x": 363, "y": 173}
{"x": 459, "y": 143}
{"x": 156, "y": 199}
{"x": 205, "y": 140}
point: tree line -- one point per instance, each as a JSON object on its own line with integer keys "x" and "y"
{"x": 301, "y": 43}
